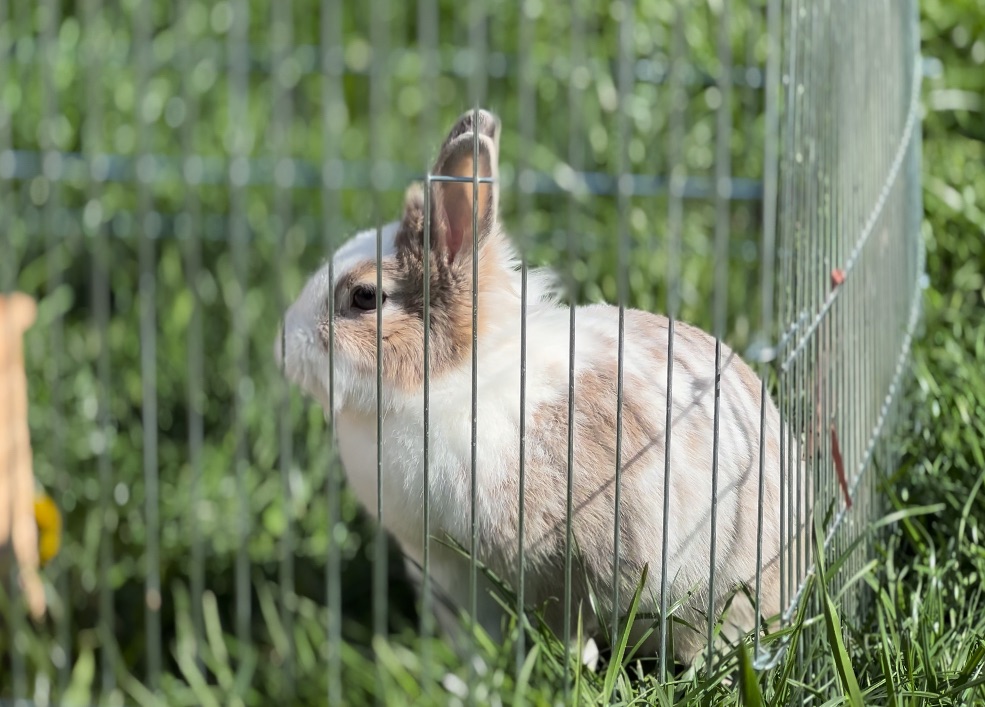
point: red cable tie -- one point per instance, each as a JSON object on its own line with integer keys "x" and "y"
{"x": 840, "y": 467}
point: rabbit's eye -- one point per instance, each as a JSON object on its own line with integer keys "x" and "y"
{"x": 364, "y": 298}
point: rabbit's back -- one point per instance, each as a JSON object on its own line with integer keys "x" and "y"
{"x": 642, "y": 454}
{"x": 643, "y": 420}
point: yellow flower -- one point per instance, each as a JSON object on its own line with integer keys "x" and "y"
{"x": 49, "y": 520}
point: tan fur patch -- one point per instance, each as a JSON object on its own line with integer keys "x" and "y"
{"x": 463, "y": 166}
{"x": 403, "y": 316}
{"x": 594, "y": 477}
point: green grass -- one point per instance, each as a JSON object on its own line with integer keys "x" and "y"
{"x": 920, "y": 642}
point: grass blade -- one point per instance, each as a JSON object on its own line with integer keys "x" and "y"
{"x": 886, "y": 661}
{"x": 751, "y": 695}
{"x": 523, "y": 679}
{"x": 615, "y": 663}
{"x": 843, "y": 663}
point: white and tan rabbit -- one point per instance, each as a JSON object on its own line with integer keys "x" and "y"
{"x": 306, "y": 360}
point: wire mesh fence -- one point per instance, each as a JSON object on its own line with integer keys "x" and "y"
{"x": 171, "y": 176}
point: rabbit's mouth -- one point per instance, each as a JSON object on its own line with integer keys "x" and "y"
{"x": 305, "y": 360}
{"x": 301, "y": 360}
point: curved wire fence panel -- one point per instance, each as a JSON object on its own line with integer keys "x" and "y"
{"x": 299, "y": 380}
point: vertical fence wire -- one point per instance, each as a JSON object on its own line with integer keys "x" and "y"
{"x": 893, "y": 319}
{"x": 189, "y": 230}
{"x": 854, "y": 222}
{"x": 677, "y": 167}
{"x": 872, "y": 100}
{"x": 835, "y": 430}
{"x": 884, "y": 141}
{"x": 843, "y": 209}
{"x": 894, "y": 316}
{"x": 478, "y": 27}
{"x": 378, "y": 107}
{"x": 569, "y": 489}
{"x": 55, "y": 221}
{"x": 427, "y": 589}
{"x": 474, "y": 413}
{"x": 864, "y": 95}
{"x": 333, "y": 103}
{"x": 884, "y": 109}
{"x": 624, "y": 189}
{"x": 148, "y": 227}
{"x": 282, "y": 40}
{"x": 893, "y": 272}
{"x": 871, "y": 170}
{"x": 875, "y": 304}
{"x": 723, "y": 189}
{"x": 787, "y": 306}
{"x": 795, "y": 285}
{"x": 238, "y": 148}
{"x": 575, "y": 47}
{"x": 771, "y": 141}
{"x": 834, "y": 332}
{"x": 820, "y": 388}
{"x": 814, "y": 454}
{"x": 804, "y": 283}
{"x": 526, "y": 121}
{"x": 427, "y": 40}
{"x": 804, "y": 455}
{"x": 94, "y": 29}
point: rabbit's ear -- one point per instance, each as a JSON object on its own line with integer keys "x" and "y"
{"x": 472, "y": 155}
{"x": 488, "y": 125}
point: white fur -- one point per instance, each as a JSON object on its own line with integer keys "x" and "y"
{"x": 488, "y": 510}
{"x": 497, "y": 439}
{"x": 362, "y": 248}
{"x": 297, "y": 349}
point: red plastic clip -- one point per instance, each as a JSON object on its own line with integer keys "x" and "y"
{"x": 840, "y": 467}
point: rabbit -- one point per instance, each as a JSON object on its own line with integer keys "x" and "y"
{"x": 302, "y": 353}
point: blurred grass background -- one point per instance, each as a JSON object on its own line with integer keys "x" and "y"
{"x": 77, "y": 78}
{"x": 160, "y": 79}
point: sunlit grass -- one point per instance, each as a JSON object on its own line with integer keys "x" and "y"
{"x": 922, "y": 641}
